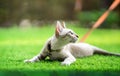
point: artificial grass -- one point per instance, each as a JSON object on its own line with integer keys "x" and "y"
{"x": 17, "y": 44}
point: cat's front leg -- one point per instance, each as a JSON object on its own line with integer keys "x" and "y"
{"x": 68, "y": 61}
{"x": 35, "y": 58}
{"x": 43, "y": 54}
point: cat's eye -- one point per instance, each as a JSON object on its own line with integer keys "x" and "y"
{"x": 71, "y": 32}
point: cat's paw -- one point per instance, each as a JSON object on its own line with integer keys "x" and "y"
{"x": 65, "y": 63}
{"x": 28, "y": 61}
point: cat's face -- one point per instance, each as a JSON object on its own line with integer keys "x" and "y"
{"x": 64, "y": 34}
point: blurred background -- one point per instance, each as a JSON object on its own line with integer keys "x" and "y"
{"x": 40, "y": 12}
{"x": 18, "y": 43}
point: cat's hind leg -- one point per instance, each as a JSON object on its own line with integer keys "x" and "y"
{"x": 70, "y": 59}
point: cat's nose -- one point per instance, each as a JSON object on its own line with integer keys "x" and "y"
{"x": 77, "y": 36}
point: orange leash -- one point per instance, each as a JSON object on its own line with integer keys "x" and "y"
{"x": 101, "y": 19}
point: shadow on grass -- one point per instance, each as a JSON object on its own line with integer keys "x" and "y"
{"x": 58, "y": 73}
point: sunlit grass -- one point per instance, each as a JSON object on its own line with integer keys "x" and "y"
{"x": 17, "y": 44}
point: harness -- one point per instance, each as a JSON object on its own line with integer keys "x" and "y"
{"x": 50, "y": 50}
{"x": 49, "y": 47}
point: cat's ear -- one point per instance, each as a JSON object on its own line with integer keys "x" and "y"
{"x": 58, "y": 29}
{"x": 63, "y": 24}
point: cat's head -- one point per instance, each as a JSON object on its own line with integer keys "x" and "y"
{"x": 65, "y": 34}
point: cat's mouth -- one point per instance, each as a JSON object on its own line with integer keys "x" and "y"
{"x": 73, "y": 41}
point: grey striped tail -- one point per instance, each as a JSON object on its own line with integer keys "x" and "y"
{"x": 104, "y": 52}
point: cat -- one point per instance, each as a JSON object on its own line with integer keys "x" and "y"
{"x": 62, "y": 46}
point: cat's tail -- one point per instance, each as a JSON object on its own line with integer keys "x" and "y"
{"x": 104, "y": 52}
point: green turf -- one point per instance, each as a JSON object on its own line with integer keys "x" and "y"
{"x": 17, "y": 44}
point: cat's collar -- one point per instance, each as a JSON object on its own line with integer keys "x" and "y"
{"x": 50, "y": 49}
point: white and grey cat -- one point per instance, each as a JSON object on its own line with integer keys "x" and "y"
{"x": 62, "y": 46}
